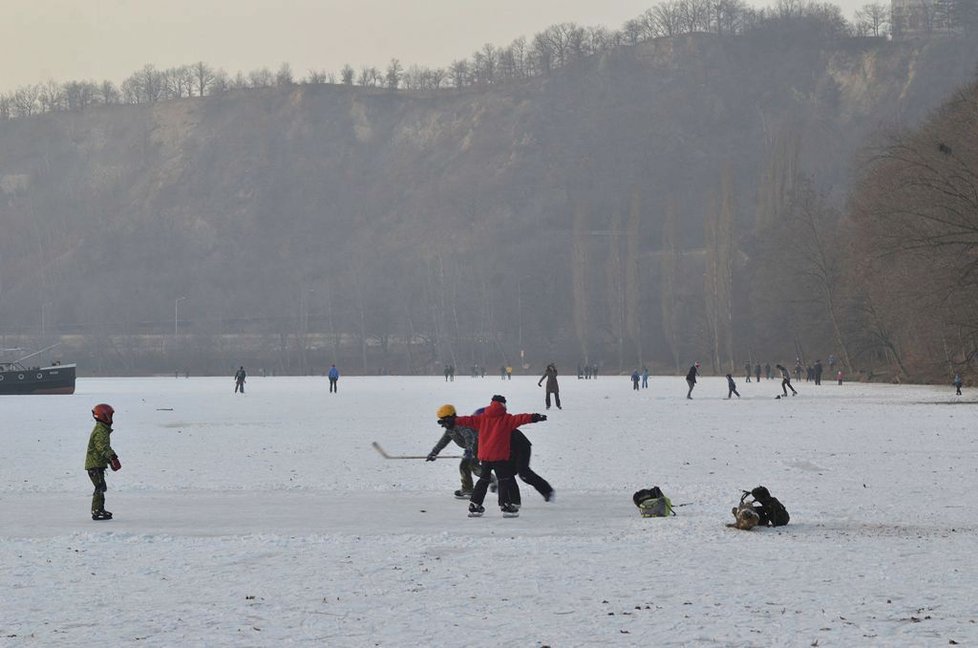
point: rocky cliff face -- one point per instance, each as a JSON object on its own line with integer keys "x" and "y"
{"x": 433, "y": 215}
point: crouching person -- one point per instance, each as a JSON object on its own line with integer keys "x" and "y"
{"x": 770, "y": 511}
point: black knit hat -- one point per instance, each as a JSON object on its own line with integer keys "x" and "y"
{"x": 499, "y": 399}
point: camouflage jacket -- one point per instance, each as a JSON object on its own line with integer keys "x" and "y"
{"x": 464, "y": 437}
{"x": 99, "y": 449}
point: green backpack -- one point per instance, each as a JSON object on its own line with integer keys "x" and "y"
{"x": 651, "y": 502}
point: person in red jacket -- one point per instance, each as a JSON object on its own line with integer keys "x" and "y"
{"x": 495, "y": 428}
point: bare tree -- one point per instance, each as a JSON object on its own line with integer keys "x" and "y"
{"x": 203, "y": 77}
{"x": 25, "y": 100}
{"x": 394, "y": 73}
{"x": 872, "y": 18}
{"x": 458, "y": 71}
{"x": 284, "y": 76}
{"x": 347, "y": 74}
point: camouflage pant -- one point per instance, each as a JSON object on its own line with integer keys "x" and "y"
{"x": 97, "y": 475}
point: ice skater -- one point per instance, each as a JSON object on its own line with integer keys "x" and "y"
{"x": 957, "y": 384}
{"x": 731, "y": 387}
{"x": 691, "y": 379}
{"x": 550, "y": 375}
{"x": 520, "y": 450}
{"x": 100, "y": 455}
{"x": 635, "y": 378}
{"x": 494, "y": 427}
{"x": 239, "y": 380}
{"x": 464, "y": 437}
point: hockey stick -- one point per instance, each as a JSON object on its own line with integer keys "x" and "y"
{"x": 384, "y": 454}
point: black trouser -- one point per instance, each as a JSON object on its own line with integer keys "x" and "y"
{"x": 332, "y": 385}
{"x": 239, "y": 387}
{"x": 691, "y": 383}
{"x": 818, "y": 378}
{"x": 519, "y": 451}
{"x": 97, "y": 475}
{"x": 733, "y": 390}
{"x": 786, "y": 385}
{"x": 507, "y": 484}
{"x": 556, "y": 398}
{"x": 635, "y": 385}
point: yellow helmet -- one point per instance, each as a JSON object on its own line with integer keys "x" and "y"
{"x": 445, "y": 410}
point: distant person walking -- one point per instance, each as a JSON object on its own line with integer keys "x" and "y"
{"x": 334, "y": 377}
{"x": 635, "y": 378}
{"x": 957, "y": 384}
{"x": 691, "y": 379}
{"x": 645, "y": 377}
{"x": 509, "y": 372}
{"x": 502, "y": 372}
{"x": 550, "y": 375}
{"x": 757, "y": 371}
{"x": 747, "y": 368}
{"x": 839, "y": 376}
{"x": 786, "y": 380}
{"x": 731, "y": 387}
{"x": 239, "y": 380}
{"x": 767, "y": 370}
{"x": 818, "y": 372}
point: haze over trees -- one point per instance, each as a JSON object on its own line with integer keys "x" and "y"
{"x": 678, "y": 189}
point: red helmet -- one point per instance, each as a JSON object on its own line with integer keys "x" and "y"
{"x": 103, "y": 412}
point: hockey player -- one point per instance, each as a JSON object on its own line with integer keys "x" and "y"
{"x": 99, "y": 456}
{"x": 466, "y": 438}
{"x": 495, "y": 428}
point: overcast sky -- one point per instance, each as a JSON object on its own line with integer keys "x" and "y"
{"x": 68, "y": 40}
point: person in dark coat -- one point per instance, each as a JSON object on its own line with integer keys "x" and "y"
{"x": 635, "y": 378}
{"x": 957, "y": 384}
{"x": 757, "y": 371}
{"x": 747, "y": 368}
{"x": 767, "y": 370}
{"x": 550, "y": 375}
{"x": 691, "y": 379}
{"x": 818, "y": 372}
{"x": 239, "y": 380}
{"x": 464, "y": 437}
{"x": 520, "y": 449}
{"x": 731, "y": 387}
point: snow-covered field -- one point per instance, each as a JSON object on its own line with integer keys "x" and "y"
{"x": 267, "y": 519}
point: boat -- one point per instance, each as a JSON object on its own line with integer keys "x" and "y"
{"x": 19, "y": 378}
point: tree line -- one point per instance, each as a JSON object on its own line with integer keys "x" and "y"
{"x": 555, "y": 47}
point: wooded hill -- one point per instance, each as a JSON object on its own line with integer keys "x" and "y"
{"x": 642, "y": 206}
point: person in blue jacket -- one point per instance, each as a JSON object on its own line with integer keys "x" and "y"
{"x": 334, "y": 376}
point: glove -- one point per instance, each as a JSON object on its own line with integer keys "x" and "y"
{"x": 536, "y": 418}
{"x": 431, "y": 456}
{"x": 467, "y": 454}
{"x": 114, "y": 463}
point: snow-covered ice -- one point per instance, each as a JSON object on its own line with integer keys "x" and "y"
{"x": 267, "y": 519}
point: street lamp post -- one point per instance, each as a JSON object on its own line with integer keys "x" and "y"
{"x": 176, "y": 314}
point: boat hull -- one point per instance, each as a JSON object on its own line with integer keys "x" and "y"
{"x": 57, "y": 379}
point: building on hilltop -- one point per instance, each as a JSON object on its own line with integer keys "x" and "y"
{"x": 928, "y": 18}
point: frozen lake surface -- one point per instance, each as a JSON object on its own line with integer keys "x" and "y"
{"x": 267, "y": 519}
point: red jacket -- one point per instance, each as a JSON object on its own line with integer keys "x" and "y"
{"x": 495, "y": 427}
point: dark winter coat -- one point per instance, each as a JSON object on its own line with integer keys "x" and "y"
{"x": 99, "y": 450}
{"x": 551, "y": 376}
{"x": 494, "y": 427}
{"x": 691, "y": 375}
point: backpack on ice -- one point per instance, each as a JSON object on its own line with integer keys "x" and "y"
{"x": 651, "y": 502}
